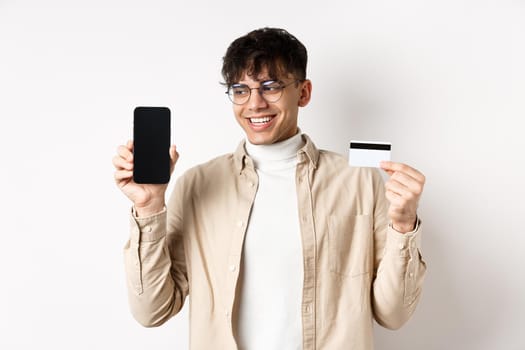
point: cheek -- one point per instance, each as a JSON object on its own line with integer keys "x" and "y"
{"x": 237, "y": 111}
{"x": 290, "y": 113}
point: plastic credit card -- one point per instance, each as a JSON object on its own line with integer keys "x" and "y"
{"x": 368, "y": 153}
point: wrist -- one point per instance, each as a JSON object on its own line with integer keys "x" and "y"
{"x": 404, "y": 227}
{"x": 149, "y": 209}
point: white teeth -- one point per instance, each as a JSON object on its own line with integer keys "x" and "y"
{"x": 260, "y": 120}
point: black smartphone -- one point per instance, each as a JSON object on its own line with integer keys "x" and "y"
{"x": 151, "y": 144}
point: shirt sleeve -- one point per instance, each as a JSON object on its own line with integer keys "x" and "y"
{"x": 155, "y": 269}
{"x": 399, "y": 269}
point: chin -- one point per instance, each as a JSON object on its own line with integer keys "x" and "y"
{"x": 261, "y": 140}
{"x": 258, "y": 141}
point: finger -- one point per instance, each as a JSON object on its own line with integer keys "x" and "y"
{"x": 393, "y": 166}
{"x": 125, "y": 152}
{"x": 399, "y": 189}
{"x": 409, "y": 182}
{"x": 174, "y": 156}
{"x": 399, "y": 206}
{"x": 121, "y": 175}
{"x": 129, "y": 145}
{"x": 121, "y": 164}
{"x": 394, "y": 199}
{"x": 400, "y": 167}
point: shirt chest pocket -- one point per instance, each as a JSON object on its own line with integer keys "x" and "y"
{"x": 350, "y": 244}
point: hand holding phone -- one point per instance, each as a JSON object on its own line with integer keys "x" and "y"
{"x": 147, "y": 198}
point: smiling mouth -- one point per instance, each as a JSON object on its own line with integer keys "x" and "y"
{"x": 261, "y": 120}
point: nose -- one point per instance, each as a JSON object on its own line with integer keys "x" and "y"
{"x": 256, "y": 101}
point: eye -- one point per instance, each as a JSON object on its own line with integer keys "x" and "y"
{"x": 270, "y": 86}
{"x": 239, "y": 90}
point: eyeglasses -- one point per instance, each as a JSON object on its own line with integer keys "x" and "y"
{"x": 270, "y": 90}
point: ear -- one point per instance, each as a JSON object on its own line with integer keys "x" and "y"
{"x": 306, "y": 93}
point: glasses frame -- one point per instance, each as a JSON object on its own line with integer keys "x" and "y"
{"x": 260, "y": 88}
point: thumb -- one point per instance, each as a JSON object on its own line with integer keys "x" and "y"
{"x": 174, "y": 155}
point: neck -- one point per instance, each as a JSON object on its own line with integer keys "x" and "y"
{"x": 276, "y": 155}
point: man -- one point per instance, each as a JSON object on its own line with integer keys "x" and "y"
{"x": 280, "y": 245}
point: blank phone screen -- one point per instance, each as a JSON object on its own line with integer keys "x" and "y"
{"x": 151, "y": 134}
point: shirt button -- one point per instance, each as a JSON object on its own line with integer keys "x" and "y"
{"x": 251, "y": 184}
{"x": 239, "y": 223}
{"x": 147, "y": 229}
{"x": 401, "y": 245}
{"x": 232, "y": 268}
{"x": 411, "y": 274}
{"x": 308, "y": 308}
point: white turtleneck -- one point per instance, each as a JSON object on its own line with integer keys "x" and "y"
{"x": 272, "y": 273}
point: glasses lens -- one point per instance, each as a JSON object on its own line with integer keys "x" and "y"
{"x": 239, "y": 93}
{"x": 271, "y": 90}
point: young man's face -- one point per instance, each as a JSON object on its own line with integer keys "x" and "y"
{"x": 268, "y": 122}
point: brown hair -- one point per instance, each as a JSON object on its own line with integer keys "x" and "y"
{"x": 273, "y": 49}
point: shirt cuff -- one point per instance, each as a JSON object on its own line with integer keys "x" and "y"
{"x": 405, "y": 233}
{"x": 405, "y": 244}
{"x": 148, "y": 228}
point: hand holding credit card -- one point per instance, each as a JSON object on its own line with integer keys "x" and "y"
{"x": 368, "y": 153}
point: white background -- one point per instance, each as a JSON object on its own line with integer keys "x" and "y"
{"x": 444, "y": 81}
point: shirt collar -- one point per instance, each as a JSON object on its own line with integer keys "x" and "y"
{"x": 241, "y": 158}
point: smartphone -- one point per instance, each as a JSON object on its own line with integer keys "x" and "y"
{"x": 151, "y": 144}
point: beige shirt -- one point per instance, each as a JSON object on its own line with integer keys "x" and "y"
{"x": 356, "y": 267}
